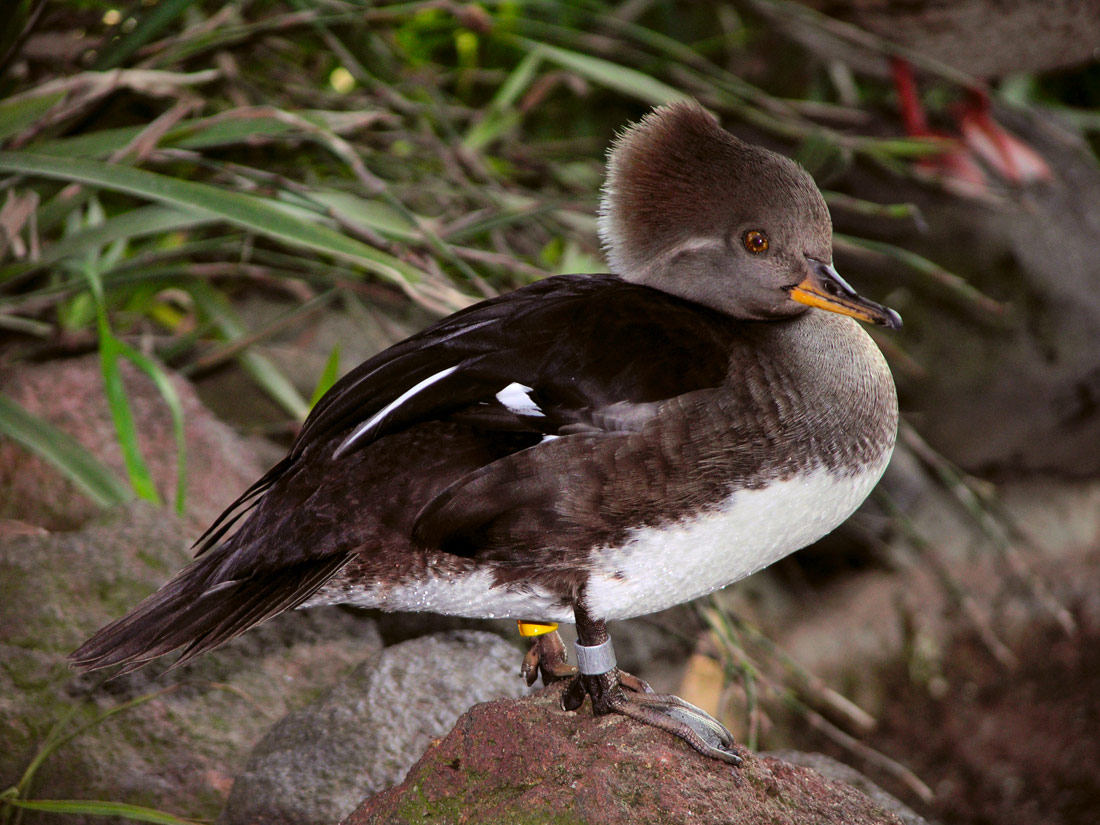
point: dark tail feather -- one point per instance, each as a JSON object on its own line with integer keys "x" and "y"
{"x": 240, "y": 508}
{"x": 192, "y": 612}
{"x": 254, "y": 605}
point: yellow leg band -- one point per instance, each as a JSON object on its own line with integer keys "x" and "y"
{"x": 536, "y": 628}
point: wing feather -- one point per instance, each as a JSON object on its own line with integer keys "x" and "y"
{"x": 593, "y": 358}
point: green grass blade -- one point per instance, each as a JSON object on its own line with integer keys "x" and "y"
{"x": 110, "y": 349}
{"x": 92, "y": 807}
{"x": 61, "y": 734}
{"x": 100, "y": 143}
{"x": 16, "y": 115}
{"x": 264, "y": 372}
{"x": 890, "y": 211}
{"x": 259, "y": 368}
{"x": 328, "y": 376}
{"x": 501, "y": 115}
{"x": 253, "y": 213}
{"x": 948, "y": 284}
{"x": 619, "y": 78}
{"x": 155, "y": 20}
{"x": 168, "y": 392}
{"x": 227, "y": 129}
{"x": 95, "y": 479}
{"x": 25, "y": 326}
{"x": 135, "y": 223}
{"x": 371, "y": 214}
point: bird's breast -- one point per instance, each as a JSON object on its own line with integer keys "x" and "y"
{"x": 659, "y": 567}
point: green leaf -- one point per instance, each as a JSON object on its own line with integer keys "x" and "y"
{"x": 16, "y": 115}
{"x": 253, "y": 213}
{"x": 612, "y": 75}
{"x": 93, "y": 807}
{"x": 95, "y": 479}
{"x": 328, "y": 376}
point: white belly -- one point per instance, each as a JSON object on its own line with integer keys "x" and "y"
{"x": 655, "y": 568}
{"x": 472, "y": 595}
{"x": 658, "y": 568}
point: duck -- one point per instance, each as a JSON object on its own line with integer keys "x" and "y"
{"x": 583, "y": 449}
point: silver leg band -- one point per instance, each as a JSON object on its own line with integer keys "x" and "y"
{"x": 592, "y": 660}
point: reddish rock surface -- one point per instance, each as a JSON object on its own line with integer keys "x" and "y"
{"x": 526, "y": 760}
{"x": 69, "y": 395}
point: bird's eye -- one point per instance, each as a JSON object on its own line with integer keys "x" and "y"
{"x": 755, "y": 241}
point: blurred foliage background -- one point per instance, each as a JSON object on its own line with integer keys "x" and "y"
{"x": 163, "y": 158}
{"x": 186, "y": 187}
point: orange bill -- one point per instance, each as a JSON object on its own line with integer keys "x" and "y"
{"x": 825, "y": 289}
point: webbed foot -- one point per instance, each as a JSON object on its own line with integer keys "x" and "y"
{"x": 613, "y": 691}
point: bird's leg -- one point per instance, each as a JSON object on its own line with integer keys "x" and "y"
{"x": 600, "y": 680}
{"x": 546, "y": 655}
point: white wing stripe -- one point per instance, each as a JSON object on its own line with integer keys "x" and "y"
{"x": 368, "y": 377}
{"x": 517, "y": 398}
{"x": 376, "y": 419}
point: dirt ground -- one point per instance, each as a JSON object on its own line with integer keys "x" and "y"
{"x": 1005, "y": 751}
{"x": 1000, "y": 746}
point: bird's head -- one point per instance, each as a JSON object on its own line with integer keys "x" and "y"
{"x": 692, "y": 210}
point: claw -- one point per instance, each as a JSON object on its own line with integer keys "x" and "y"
{"x": 638, "y": 701}
{"x": 692, "y": 724}
{"x": 717, "y": 740}
{"x": 670, "y": 713}
{"x": 573, "y": 695}
{"x": 632, "y": 682}
{"x": 529, "y": 670}
{"x": 546, "y": 656}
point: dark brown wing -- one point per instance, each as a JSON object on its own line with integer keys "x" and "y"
{"x": 572, "y": 357}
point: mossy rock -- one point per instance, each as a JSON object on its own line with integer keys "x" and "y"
{"x": 179, "y": 750}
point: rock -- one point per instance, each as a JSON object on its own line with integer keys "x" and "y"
{"x": 1007, "y": 746}
{"x": 69, "y": 394}
{"x": 179, "y": 750}
{"x": 526, "y": 760}
{"x": 362, "y": 736}
{"x": 653, "y": 648}
{"x": 996, "y": 392}
{"x": 833, "y": 769}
